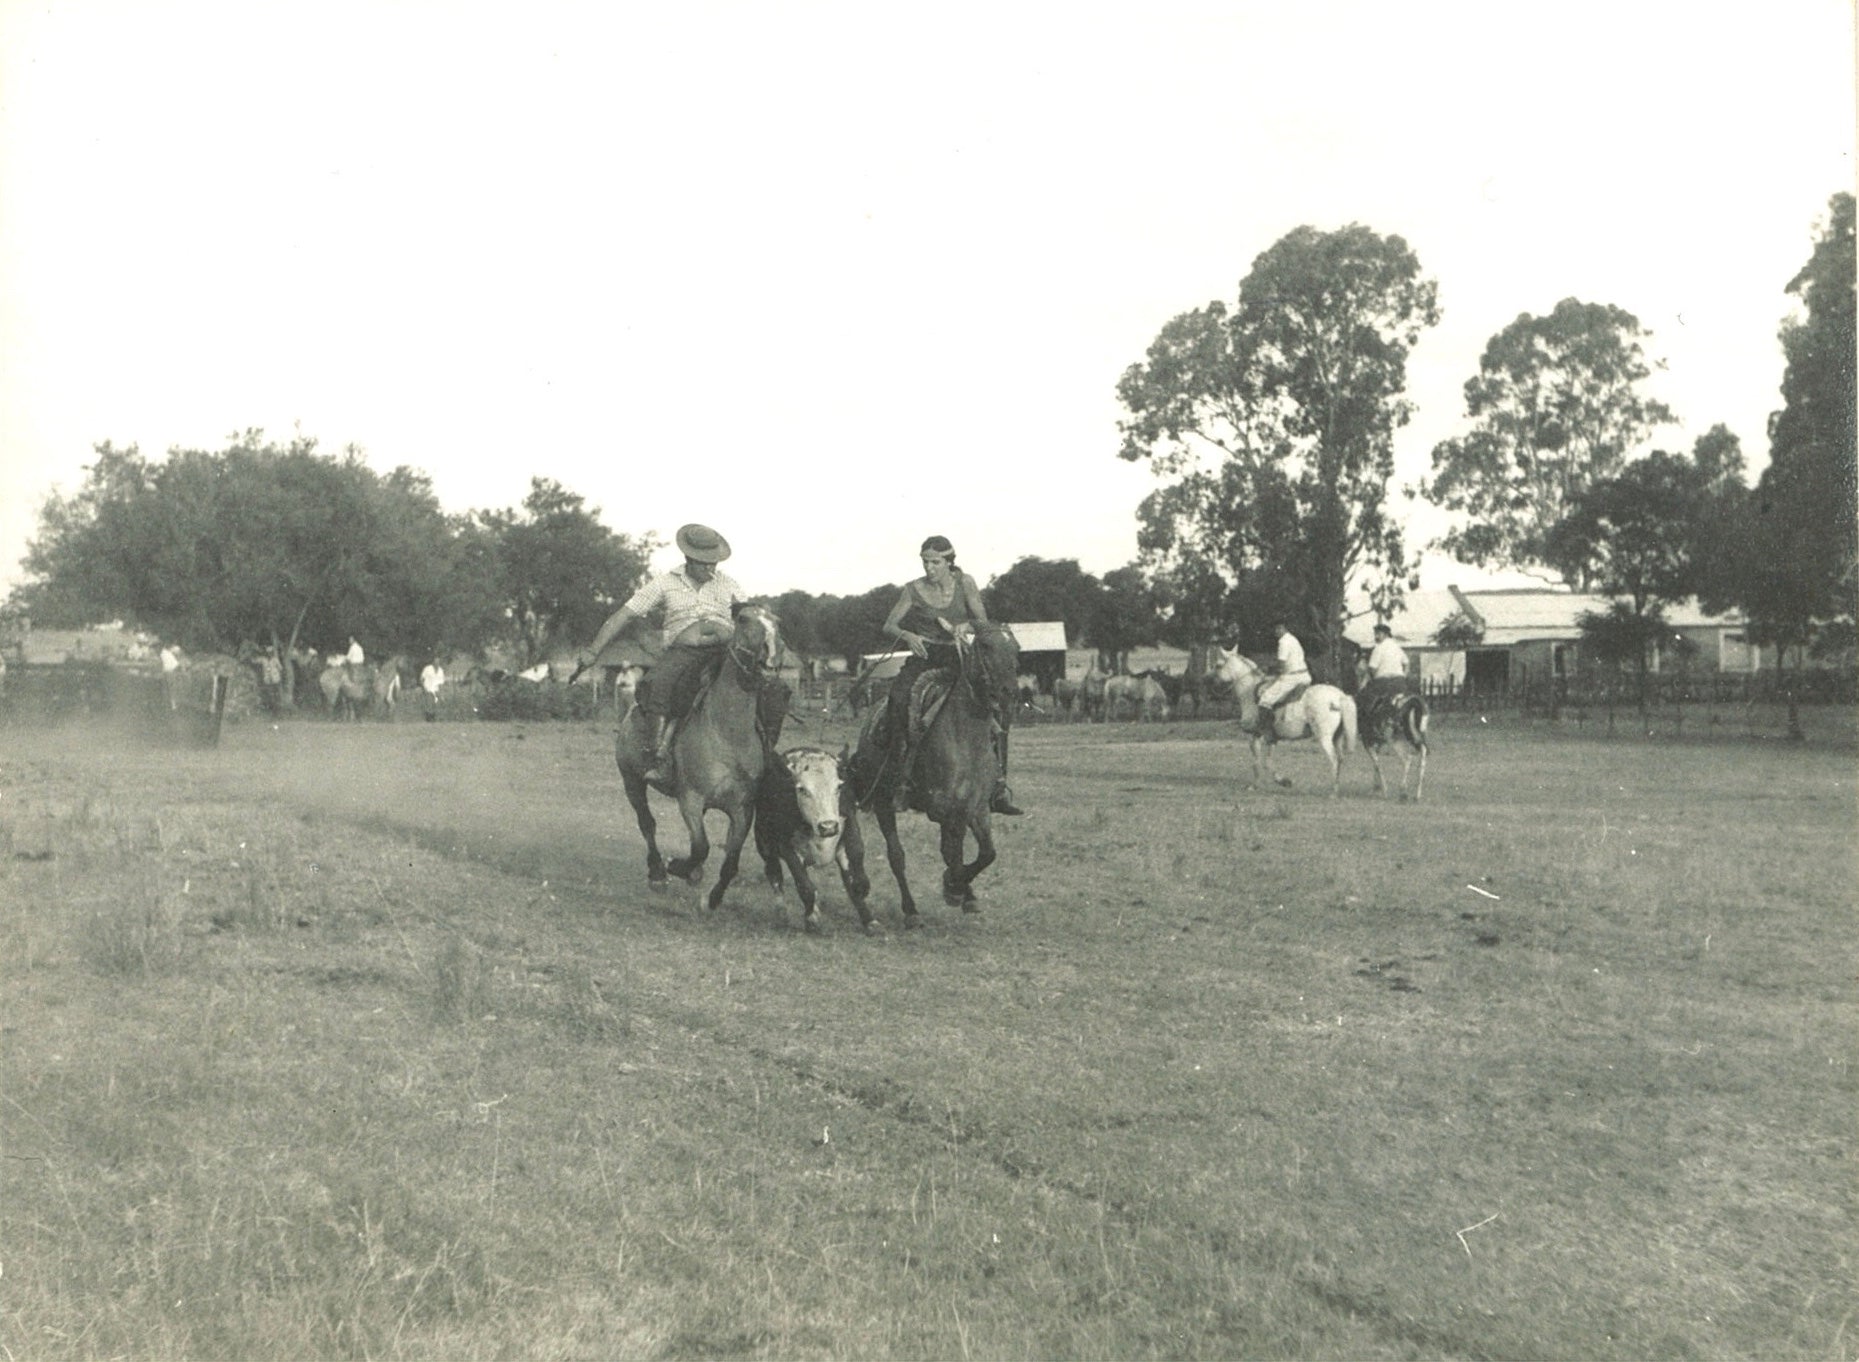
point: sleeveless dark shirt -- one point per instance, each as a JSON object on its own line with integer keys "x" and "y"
{"x": 922, "y": 617}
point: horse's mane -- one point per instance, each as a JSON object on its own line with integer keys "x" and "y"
{"x": 991, "y": 664}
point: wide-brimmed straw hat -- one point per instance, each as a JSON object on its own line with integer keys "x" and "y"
{"x": 701, "y": 544}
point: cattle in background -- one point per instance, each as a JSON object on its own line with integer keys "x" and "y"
{"x": 805, "y": 819}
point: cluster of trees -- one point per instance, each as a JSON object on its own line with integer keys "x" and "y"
{"x": 283, "y": 546}
{"x": 1269, "y": 425}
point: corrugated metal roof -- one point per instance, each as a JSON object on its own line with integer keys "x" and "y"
{"x": 1514, "y": 615}
{"x": 1046, "y": 637}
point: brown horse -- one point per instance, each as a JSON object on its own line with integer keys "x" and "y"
{"x": 347, "y": 689}
{"x": 953, "y": 767}
{"x": 718, "y": 755}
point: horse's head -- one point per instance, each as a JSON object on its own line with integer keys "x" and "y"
{"x": 1234, "y": 667}
{"x": 991, "y": 662}
{"x": 756, "y": 642}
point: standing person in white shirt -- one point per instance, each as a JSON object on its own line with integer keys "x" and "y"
{"x": 1293, "y": 670}
{"x": 170, "y": 671}
{"x": 432, "y": 677}
{"x": 700, "y": 604}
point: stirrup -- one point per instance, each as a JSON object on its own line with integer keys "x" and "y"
{"x": 1001, "y": 802}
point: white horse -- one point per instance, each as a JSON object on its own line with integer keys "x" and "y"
{"x": 1325, "y": 713}
{"x": 1143, "y": 694}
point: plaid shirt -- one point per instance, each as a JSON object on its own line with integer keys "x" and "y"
{"x": 685, "y": 601}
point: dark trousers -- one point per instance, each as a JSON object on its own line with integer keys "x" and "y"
{"x": 671, "y": 685}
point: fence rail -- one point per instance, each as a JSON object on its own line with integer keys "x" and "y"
{"x": 1551, "y": 694}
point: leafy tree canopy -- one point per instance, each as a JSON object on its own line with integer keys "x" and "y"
{"x": 1039, "y": 589}
{"x": 1800, "y": 539}
{"x": 1642, "y": 534}
{"x": 1555, "y": 407}
{"x": 1271, "y": 428}
{"x": 256, "y": 542}
{"x": 560, "y": 571}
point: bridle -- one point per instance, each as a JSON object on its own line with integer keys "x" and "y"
{"x": 979, "y": 664}
{"x": 754, "y": 660}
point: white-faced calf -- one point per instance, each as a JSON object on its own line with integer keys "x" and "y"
{"x": 805, "y": 819}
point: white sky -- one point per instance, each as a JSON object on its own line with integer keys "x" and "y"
{"x": 834, "y": 277}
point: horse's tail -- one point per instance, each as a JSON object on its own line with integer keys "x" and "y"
{"x": 1414, "y": 720}
{"x": 1348, "y": 707}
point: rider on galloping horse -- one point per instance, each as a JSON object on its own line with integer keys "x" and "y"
{"x": 925, "y": 618}
{"x": 699, "y": 602}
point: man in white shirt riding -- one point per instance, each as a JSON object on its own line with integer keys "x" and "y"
{"x": 1386, "y": 661}
{"x": 1293, "y": 670}
{"x": 699, "y": 603}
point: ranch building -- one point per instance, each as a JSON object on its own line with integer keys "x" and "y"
{"x": 1530, "y": 633}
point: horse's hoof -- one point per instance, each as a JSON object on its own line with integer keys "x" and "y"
{"x": 1284, "y": 782}
{"x": 812, "y": 926}
{"x": 658, "y": 886}
{"x": 912, "y": 923}
{"x": 971, "y": 906}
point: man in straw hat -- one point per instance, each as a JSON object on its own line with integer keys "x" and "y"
{"x": 699, "y": 602}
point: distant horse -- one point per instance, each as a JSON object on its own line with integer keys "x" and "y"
{"x": 1143, "y": 694}
{"x": 385, "y": 687}
{"x": 348, "y": 689}
{"x": 1091, "y": 691}
{"x": 1065, "y": 692}
{"x": 1393, "y": 717}
{"x": 1321, "y": 712}
{"x": 805, "y": 819}
{"x": 953, "y": 766}
{"x": 718, "y": 755}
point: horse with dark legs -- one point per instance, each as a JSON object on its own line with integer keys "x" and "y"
{"x": 348, "y": 689}
{"x": 953, "y": 766}
{"x": 718, "y": 754}
{"x": 1393, "y": 719}
{"x": 1323, "y": 712}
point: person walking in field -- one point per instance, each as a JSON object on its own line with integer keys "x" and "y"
{"x": 170, "y": 672}
{"x": 432, "y": 677}
{"x": 270, "y": 679}
{"x": 924, "y": 619}
{"x": 699, "y": 601}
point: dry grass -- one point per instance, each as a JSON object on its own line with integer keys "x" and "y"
{"x": 375, "y": 1044}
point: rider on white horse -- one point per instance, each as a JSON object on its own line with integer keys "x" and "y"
{"x": 1293, "y": 672}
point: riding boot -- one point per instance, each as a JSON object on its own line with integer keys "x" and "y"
{"x": 659, "y": 762}
{"x": 1002, "y": 800}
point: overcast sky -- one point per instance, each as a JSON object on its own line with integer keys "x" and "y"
{"x": 834, "y": 277}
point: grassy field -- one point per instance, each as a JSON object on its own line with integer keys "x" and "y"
{"x": 372, "y": 1042}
